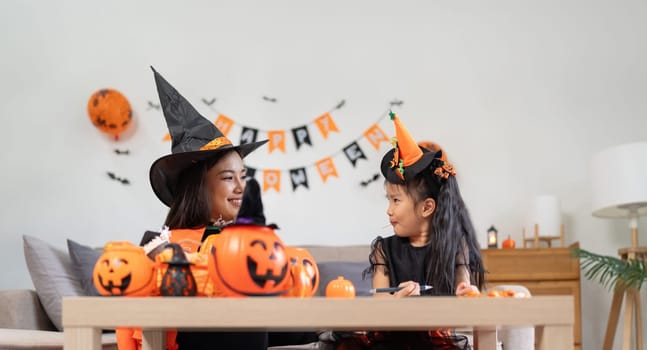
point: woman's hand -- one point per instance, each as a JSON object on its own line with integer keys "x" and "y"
{"x": 408, "y": 288}
{"x": 465, "y": 288}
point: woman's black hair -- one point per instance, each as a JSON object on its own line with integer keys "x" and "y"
{"x": 451, "y": 232}
{"x": 191, "y": 206}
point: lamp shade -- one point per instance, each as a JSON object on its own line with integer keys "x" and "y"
{"x": 547, "y": 214}
{"x": 619, "y": 180}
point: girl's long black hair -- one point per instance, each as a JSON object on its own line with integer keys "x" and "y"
{"x": 451, "y": 232}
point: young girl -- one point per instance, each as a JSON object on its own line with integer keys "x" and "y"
{"x": 434, "y": 250}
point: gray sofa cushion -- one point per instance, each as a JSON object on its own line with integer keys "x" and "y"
{"x": 52, "y": 274}
{"x": 83, "y": 260}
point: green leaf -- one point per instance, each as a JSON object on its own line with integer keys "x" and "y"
{"x": 610, "y": 271}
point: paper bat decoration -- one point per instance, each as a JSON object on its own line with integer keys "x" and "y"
{"x": 367, "y": 182}
{"x": 152, "y": 105}
{"x": 120, "y": 152}
{"x": 209, "y": 102}
{"x": 123, "y": 181}
{"x": 396, "y": 103}
{"x": 269, "y": 99}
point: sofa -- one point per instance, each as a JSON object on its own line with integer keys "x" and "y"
{"x": 31, "y": 318}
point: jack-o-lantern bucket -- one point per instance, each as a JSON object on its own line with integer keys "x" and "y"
{"x": 124, "y": 270}
{"x": 304, "y": 271}
{"x": 248, "y": 260}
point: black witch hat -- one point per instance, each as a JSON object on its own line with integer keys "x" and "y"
{"x": 251, "y": 209}
{"x": 195, "y": 139}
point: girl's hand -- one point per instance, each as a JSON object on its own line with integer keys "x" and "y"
{"x": 409, "y": 288}
{"x": 464, "y": 288}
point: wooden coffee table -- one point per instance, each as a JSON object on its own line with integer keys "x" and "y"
{"x": 84, "y": 317}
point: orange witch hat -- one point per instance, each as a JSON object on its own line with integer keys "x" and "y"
{"x": 407, "y": 158}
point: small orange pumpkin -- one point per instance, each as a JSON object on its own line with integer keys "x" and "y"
{"x": 340, "y": 288}
{"x": 304, "y": 271}
{"x": 124, "y": 269}
{"x": 249, "y": 260}
{"x": 508, "y": 243}
{"x": 109, "y": 111}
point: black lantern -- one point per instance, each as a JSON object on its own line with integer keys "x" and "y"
{"x": 178, "y": 279}
{"x": 492, "y": 239}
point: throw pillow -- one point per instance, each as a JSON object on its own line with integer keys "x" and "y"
{"x": 52, "y": 274}
{"x": 352, "y": 271}
{"x": 83, "y": 260}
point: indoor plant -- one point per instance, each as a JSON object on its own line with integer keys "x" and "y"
{"x": 609, "y": 271}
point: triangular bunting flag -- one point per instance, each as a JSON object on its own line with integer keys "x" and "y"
{"x": 271, "y": 179}
{"x": 223, "y": 123}
{"x": 326, "y": 168}
{"x": 353, "y": 152}
{"x": 326, "y": 124}
{"x": 301, "y": 135}
{"x": 375, "y": 136}
{"x": 277, "y": 140}
{"x": 298, "y": 177}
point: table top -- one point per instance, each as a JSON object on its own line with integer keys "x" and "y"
{"x": 275, "y": 313}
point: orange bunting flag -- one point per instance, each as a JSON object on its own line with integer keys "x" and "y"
{"x": 271, "y": 179}
{"x": 223, "y": 123}
{"x": 375, "y": 136}
{"x": 326, "y": 124}
{"x": 167, "y": 137}
{"x": 277, "y": 140}
{"x": 326, "y": 168}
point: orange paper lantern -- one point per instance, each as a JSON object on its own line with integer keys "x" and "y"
{"x": 109, "y": 111}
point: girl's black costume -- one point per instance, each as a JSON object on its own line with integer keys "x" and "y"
{"x": 411, "y": 265}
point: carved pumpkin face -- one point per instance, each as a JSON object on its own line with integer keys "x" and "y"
{"x": 124, "y": 269}
{"x": 305, "y": 273}
{"x": 109, "y": 111}
{"x": 247, "y": 260}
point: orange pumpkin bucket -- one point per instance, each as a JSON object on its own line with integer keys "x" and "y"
{"x": 124, "y": 270}
{"x": 249, "y": 260}
{"x": 304, "y": 272}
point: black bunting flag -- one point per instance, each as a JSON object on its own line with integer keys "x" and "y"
{"x": 248, "y": 135}
{"x": 301, "y": 135}
{"x": 298, "y": 177}
{"x": 353, "y": 152}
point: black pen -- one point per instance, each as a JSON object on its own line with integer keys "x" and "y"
{"x": 395, "y": 289}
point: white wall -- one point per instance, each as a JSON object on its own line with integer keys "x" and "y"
{"x": 521, "y": 94}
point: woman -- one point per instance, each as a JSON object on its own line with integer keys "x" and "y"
{"x": 202, "y": 181}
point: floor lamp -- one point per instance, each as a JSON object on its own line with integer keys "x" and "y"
{"x": 619, "y": 179}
